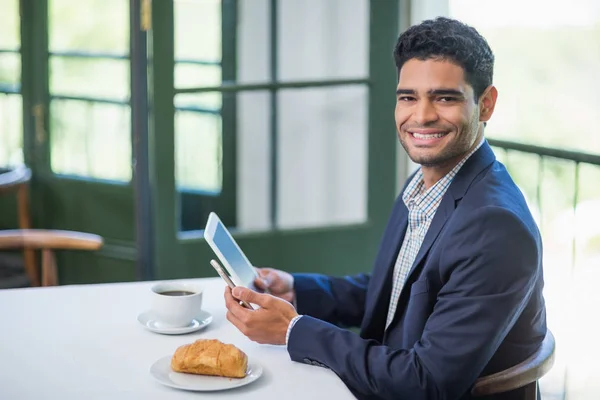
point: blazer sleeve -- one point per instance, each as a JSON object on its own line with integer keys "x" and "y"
{"x": 490, "y": 265}
{"x": 340, "y": 301}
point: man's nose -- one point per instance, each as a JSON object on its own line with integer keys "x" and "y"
{"x": 425, "y": 113}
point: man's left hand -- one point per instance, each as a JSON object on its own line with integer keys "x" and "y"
{"x": 268, "y": 324}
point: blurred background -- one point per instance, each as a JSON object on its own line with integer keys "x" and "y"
{"x": 134, "y": 119}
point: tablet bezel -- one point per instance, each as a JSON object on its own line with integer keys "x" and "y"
{"x": 209, "y": 232}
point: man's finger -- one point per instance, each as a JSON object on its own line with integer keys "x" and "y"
{"x": 266, "y": 275}
{"x": 236, "y": 322}
{"x": 261, "y": 283}
{"x": 250, "y": 296}
{"x": 230, "y": 302}
{"x": 269, "y": 276}
{"x": 234, "y": 306}
{"x": 262, "y": 271}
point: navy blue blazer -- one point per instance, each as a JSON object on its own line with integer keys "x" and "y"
{"x": 472, "y": 304}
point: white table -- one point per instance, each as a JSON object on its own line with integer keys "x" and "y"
{"x": 84, "y": 342}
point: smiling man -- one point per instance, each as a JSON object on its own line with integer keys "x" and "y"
{"x": 456, "y": 288}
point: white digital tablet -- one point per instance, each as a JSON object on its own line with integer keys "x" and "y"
{"x": 230, "y": 254}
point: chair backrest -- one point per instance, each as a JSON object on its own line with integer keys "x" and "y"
{"x": 18, "y": 180}
{"x": 14, "y": 179}
{"x": 47, "y": 241}
{"x": 524, "y": 374}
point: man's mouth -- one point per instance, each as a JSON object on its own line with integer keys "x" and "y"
{"x": 428, "y": 136}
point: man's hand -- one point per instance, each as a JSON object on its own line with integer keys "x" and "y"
{"x": 268, "y": 324}
{"x": 278, "y": 283}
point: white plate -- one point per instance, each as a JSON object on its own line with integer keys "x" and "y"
{"x": 149, "y": 321}
{"x": 162, "y": 372}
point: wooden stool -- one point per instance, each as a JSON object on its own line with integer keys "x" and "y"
{"x": 17, "y": 180}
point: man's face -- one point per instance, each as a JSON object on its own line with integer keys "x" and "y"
{"x": 437, "y": 117}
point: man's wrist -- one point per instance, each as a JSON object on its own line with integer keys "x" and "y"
{"x": 290, "y": 326}
{"x": 294, "y": 303}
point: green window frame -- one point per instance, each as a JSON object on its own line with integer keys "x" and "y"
{"x": 171, "y": 260}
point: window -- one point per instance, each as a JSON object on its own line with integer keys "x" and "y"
{"x": 90, "y": 134}
{"x": 198, "y": 128}
{"x": 321, "y": 132}
{"x": 265, "y": 152}
{"x": 11, "y": 120}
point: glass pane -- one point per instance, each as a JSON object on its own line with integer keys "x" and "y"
{"x": 322, "y": 154}
{"x": 11, "y": 130}
{"x": 198, "y": 151}
{"x": 84, "y": 134}
{"x": 107, "y": 79}
{"x": 198, "y": 135}
{"x": 9, "y": 28}
{"x": 188, "y": 75}
{"x": 322, "y": 157}
{"x": 254, "y": 163}
{"x": 10, "y": 70}
{"x": 90, "y": 139}
{"x": 330, "y": 42}
{"x": 91, "y": 25}
{"x": 253, "y": 58}
{"x": 198, "y": 29}
{"x": 11, "y": 105}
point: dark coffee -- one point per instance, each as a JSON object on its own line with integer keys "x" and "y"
{"x": 177, "y": 293}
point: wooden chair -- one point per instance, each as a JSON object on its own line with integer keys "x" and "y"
{"x": 48, "y": 241}
{"x": 17, "y": 180}
{"x": 525, "y": 374}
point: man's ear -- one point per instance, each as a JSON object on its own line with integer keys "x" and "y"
{"x": 487, "y": 103}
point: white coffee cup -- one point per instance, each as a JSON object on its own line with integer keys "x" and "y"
{"x": 176, "y": 305}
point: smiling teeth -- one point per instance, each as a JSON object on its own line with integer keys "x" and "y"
{"x": 429, "y": 136}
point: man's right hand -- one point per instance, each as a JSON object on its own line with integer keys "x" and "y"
{"x": 278, "y": 283}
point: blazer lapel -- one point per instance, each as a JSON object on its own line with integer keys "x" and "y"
{"x": 382, "y": 276}
{"x": 463, "y": 179}
{"x": 439, "y": 220}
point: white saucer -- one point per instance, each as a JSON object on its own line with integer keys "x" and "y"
{"x": 162, "y": 372}
{"x": 149, "y": 321}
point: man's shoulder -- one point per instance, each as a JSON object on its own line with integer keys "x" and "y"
{"x": 495, "y": 188}
{"x": 495, "y": 197}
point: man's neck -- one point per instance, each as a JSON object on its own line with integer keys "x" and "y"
{"x": 433, "y": 173}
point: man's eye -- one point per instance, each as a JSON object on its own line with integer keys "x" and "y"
{"x": 447, "y": 99}
{"x": 405, "y": 98}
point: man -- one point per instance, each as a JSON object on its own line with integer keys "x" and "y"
{"x": 456, "y": 290}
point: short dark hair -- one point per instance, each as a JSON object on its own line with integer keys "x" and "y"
{"x": 451, "y": 40}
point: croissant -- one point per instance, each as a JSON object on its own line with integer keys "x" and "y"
{"x": 210, "y": 357}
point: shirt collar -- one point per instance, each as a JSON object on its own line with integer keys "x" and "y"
{"x": 415, "y": 191}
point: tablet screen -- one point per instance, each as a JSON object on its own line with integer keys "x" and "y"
{"x": 234, "y": 257}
